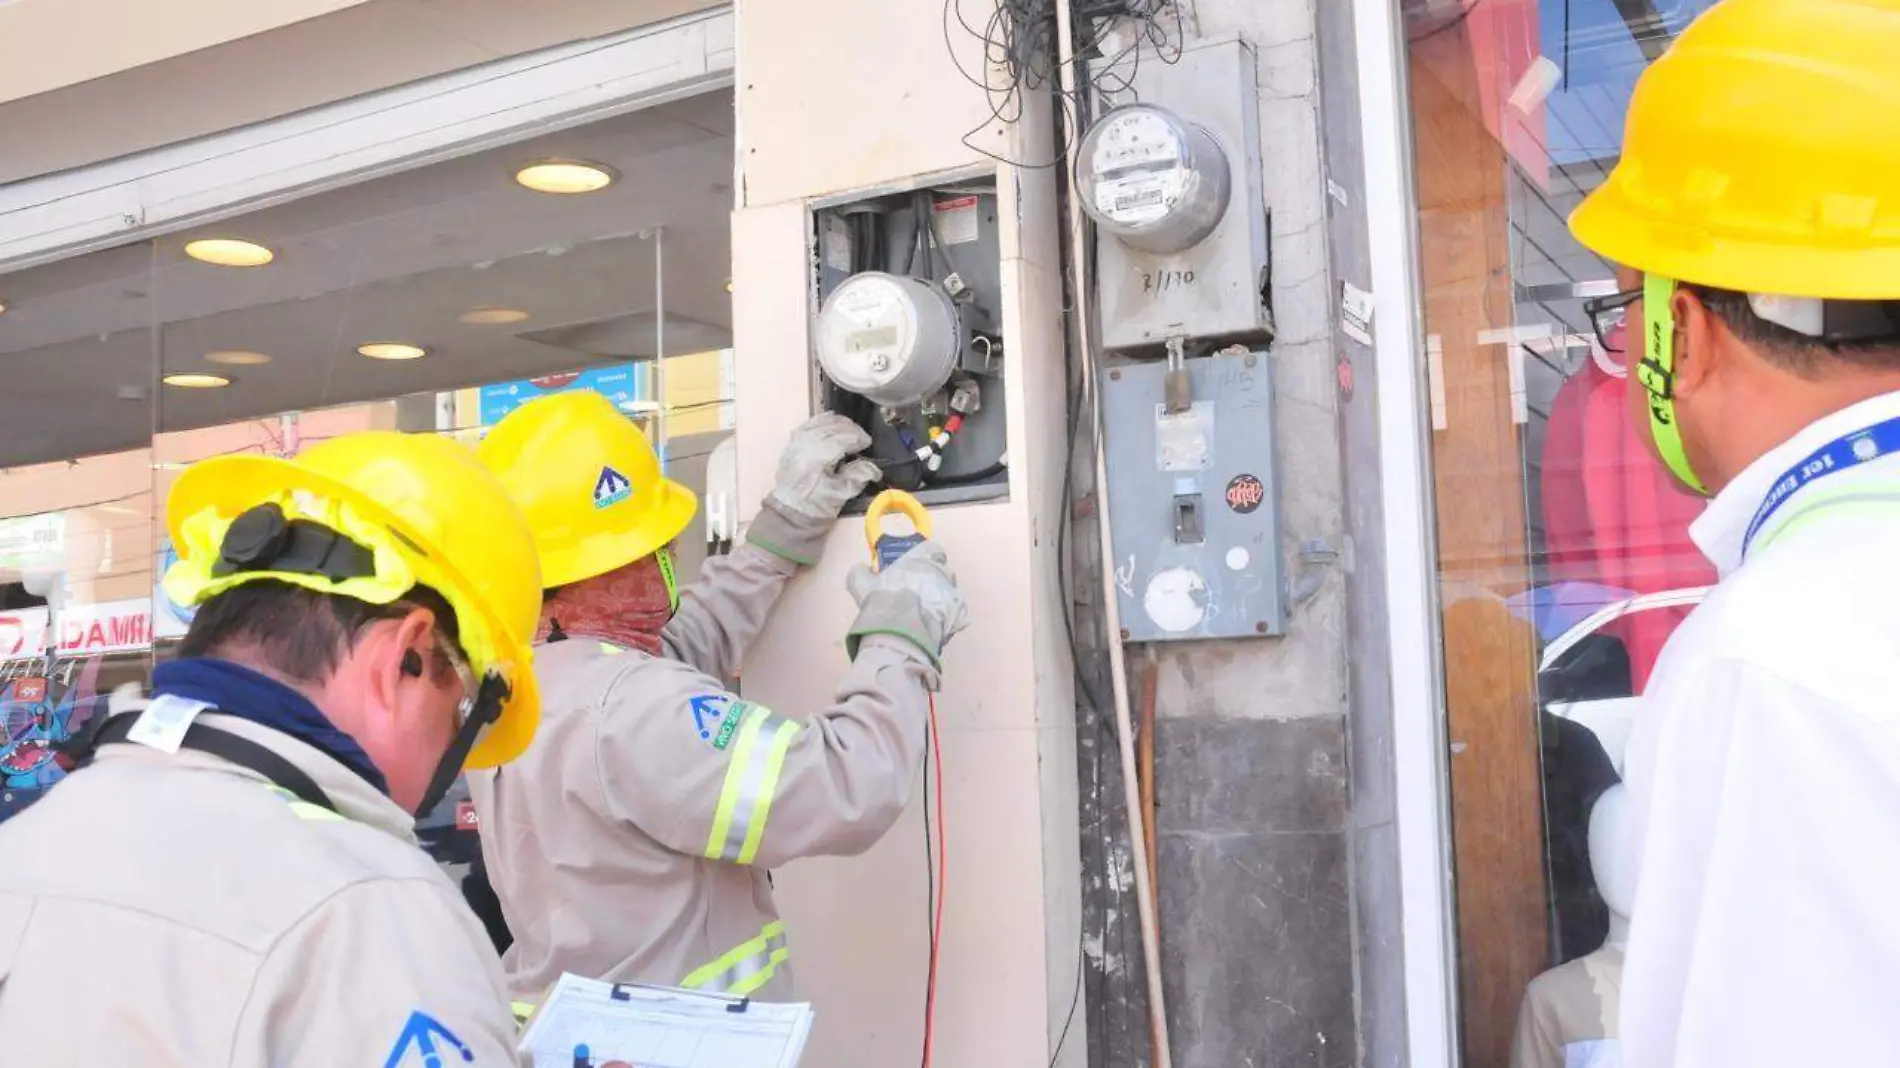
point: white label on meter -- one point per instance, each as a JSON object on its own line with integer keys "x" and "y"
{"x": 837, "y": 246}
{"x": 1182, "y": 441}
{"x": 956, "y": 221}
{"x": 1139, "y": 172}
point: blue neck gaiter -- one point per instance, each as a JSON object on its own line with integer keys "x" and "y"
{"x": 238, "y": 691}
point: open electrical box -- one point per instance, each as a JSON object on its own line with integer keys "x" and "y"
{"x": 907, "y": 334}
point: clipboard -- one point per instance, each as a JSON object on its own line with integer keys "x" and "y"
{"x": 664, "y": 1027}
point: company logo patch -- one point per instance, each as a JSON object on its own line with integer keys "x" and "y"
{"x": 717, "y": 717}
{"x": 425, "y": 1041}
{"x": 611, "y": 488}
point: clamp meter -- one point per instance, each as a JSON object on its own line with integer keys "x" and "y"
{"x": 887, "y": 547}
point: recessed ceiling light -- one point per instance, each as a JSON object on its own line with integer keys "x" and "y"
{"x": 237, "y": 358}
{"x": 3, "y": 308}
{"x": 565, "y": 176}
{"x": 492, "y": 316}
{"x": 392, "y": 350}
{"x": 229, "y": 252}
{"x": 196, "y": 380}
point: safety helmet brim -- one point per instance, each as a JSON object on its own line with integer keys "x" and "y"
{"x": 1615, "y": 225}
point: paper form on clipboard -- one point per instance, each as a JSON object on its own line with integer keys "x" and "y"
{"x": 664, "y": 1027}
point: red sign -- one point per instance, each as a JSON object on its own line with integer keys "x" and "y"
{"x": 465, "y": 817}
{"x": 22, "y": 633}
{"x": 114, "y": 626}
{"x": 30, "y": 691}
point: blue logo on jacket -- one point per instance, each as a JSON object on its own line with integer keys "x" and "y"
{"x": 421, "y": 1035}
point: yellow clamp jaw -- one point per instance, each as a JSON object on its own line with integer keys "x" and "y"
{"x": 887, "y": 547}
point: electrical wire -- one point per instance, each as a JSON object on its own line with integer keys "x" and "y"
{"x": 930, "y": 915}
{"x": 970, "y": 478}
{"x": 1020, "y": 57}
{"x": 1077, "y": 386}
{"x": 933, "y": 900}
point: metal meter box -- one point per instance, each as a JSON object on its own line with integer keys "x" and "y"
{"x": 918, "y": 270}
{"x": 1217, "y": 288}
{"x": 1195, "y": 500}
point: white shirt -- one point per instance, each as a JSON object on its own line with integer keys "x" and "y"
{"x": 1764, "y": 776}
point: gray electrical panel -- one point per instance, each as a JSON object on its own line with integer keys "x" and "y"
{"x": 947, "y": 235}
{"x": 1218, "y": 288}
{"x": 1195, "y": 499}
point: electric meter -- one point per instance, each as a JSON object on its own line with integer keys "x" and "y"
{"x": 893, "y": 340}
{"x": 1155, "y": 181}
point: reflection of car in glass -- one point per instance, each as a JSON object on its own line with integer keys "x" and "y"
{"x": 1576, "y": 676}
{"x": 1599, "y": 643}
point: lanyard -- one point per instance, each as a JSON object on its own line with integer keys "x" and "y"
{"x": 1841, "y": 454}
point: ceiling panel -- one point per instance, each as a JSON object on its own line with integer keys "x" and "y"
{"x": 398, "y": 259}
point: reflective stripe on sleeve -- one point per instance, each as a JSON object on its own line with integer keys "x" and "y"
{"x": 752, "y": 774}
{"x": 747, "y": 968}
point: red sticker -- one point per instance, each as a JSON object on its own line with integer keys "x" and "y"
{"x": 465, "y": 817}
{"x": 30, "y": 690}
{"x": 1245, "y": 493}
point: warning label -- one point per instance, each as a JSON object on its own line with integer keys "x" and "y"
{"x": 957, "y": 221}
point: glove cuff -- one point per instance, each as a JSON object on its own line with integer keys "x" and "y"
{"x": 788, "y": 535}
{"x": 897, "y": 614}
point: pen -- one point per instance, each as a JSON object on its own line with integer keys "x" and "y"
{"x": 583, "y": 1057}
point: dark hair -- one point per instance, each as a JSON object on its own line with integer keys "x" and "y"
{"x": 301, "y": 634}
{"x": 1791, "y": 350}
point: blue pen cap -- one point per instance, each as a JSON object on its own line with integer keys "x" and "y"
{"x": 583, "y": 1057}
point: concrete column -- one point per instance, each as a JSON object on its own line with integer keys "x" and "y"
{"x": 1251, "y": 766}
{"x": 853, "y": 95}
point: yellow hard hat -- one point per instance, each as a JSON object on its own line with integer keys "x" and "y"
{"x": 420, "y": 509}
{"x": 587, "y": 479}
{"x": 1761, "y": 154}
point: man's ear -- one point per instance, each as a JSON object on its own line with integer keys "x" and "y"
{"x": 394, "y": 650}
{"x": 1700, "y": 336}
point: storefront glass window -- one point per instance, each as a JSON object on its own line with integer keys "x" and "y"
{"x": 1564, "y": 559}
{"x": 435, "y": 300}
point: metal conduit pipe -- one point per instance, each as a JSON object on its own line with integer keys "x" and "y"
{"x": 1111, "y": 611}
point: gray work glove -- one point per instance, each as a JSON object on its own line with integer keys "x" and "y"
{"x": 814, "y": 484}
{"x": 914, "y": 598}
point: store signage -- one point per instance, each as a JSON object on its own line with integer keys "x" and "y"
{"x": 111, "y": 627}
{"x": 32, "y": 541}
{"x": 622, "y": 383}
{"x": 23, "y": 633}
{"x": 81, "y": 630}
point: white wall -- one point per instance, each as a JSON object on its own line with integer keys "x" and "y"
{"x": 863, "y": 96}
